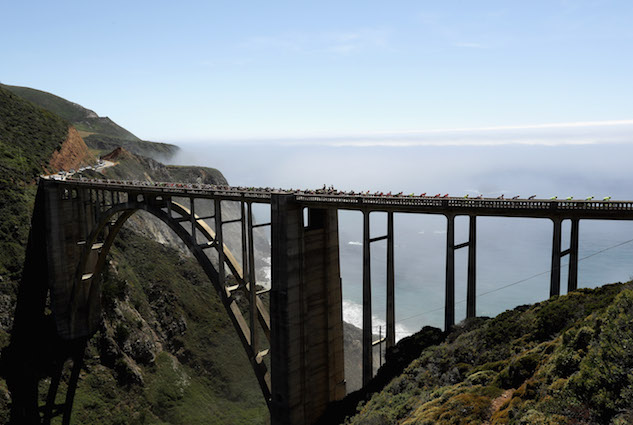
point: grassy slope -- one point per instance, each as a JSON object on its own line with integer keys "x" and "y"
{"x": 135, "y": 167}
{"x": 563, "y": 361}
{"x": 105, "y": 143}
{"x": 106, "y": 136}
{"x": 61, "y": 107}
{"x": 28, "y": 137}
{"x": 83, "y": 119}
{"x": 201, "y": 376}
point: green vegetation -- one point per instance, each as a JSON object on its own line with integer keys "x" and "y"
{"x": 104, "y": 144}
{"x": 192, "y": 174}
{"x": 82, "y": 118}
{"x": 189, "y": 367}
{"x": 135, "y": 167}
{"x": 28, "y": 137}
{"x": 61, "y": 107}
{"x": 562, "y": 361}
{"x": 99, "y": 133}
{"x": 166, "y": 351}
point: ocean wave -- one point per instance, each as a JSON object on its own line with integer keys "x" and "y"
{"x": 355, "y": 243}
{"x": 267, "y": 272}
{"x": 353, "y": 313}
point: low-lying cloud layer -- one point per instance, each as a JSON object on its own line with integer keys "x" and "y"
{"x": 553, "y": 134}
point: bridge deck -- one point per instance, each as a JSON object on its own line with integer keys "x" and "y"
{"x": 305, "y": 317}
{"x": 536, "y": 208}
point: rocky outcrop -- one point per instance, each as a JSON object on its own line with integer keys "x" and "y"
{"x": 117, "y": 154}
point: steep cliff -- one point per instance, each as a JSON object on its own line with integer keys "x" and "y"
{"x": 72, "y": 154}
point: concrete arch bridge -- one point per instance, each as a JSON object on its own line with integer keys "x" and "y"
{"x": 76, "y": 221}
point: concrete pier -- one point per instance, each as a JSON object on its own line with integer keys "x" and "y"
{"x": 471, "y": 292}
{"x": 307, "y": 370}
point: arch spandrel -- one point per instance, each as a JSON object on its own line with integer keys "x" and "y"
{"x": 85, "y": 302}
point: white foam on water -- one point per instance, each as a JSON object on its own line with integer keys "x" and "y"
{"x": 355, "y": 243}
{"x": 353, "y": 313}
{"x": 267, "y": 271}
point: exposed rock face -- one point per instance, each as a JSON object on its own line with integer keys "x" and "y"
{"x": 117, "y": 154}
{"x": 73, "y": 153}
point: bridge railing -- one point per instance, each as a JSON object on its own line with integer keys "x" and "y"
{"x": 468, "y": 203}
{"x": 526, "y": 207}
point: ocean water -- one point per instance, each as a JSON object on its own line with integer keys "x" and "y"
{"x": 513, "y": 254}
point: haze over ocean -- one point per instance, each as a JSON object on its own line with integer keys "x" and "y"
{"x": 509, "y": 249}
{"x": 548, "y": 80}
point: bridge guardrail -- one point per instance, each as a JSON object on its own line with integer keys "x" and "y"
{"x": 540, "y": 207}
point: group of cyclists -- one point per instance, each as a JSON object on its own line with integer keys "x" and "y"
{"x": 325, "y": 190}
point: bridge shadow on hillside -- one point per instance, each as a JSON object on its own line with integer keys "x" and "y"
{"x": 36, "y": 352}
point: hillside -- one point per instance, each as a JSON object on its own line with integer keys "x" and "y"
{"x": 99, "y": 133}
{"x": 31, "y": 142}
{"x": 137, "y": 167}
{"x": 562, "y": 361}
{"x": 166, "y": 352}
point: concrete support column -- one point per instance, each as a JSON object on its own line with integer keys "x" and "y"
{"x": 471, "y": 292}
{"x": 554, "y": 287}
{"x": 449, "y": 299}
{"x": 244, "y": 240}
{"x": 192, "y": 209}
{"x": 96, "y": 206}
{"x": 83, "y": 219}
{"x": 368, "y": 364}
{"x": 219, "y": 240}
{"x": 251, "y": 280}
{"x": 391, "y": 310}
{"x": 307, "y": 370}
{"x": 572, "y": 278}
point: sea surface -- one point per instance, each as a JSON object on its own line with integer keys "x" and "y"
{"x": 513, "y": 254}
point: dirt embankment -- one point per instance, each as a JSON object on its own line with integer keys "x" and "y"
{"x": 73, "y": 154}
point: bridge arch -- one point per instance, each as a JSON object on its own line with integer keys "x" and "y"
{"x": 85, "y": 298}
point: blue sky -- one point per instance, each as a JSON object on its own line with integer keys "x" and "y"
{"x": 193, "y": 71}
